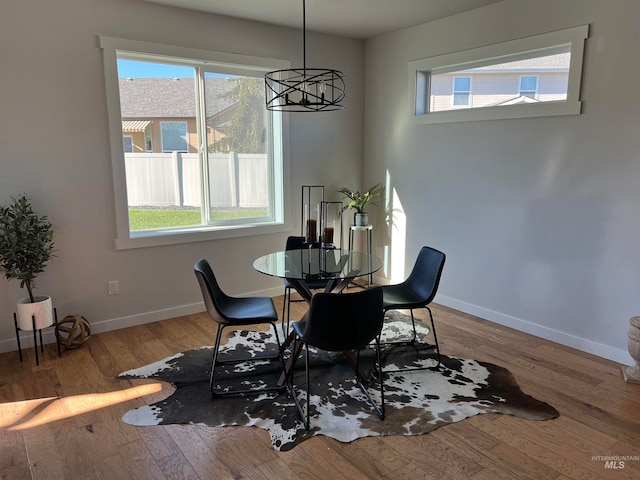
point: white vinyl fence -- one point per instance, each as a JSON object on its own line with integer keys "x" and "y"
{"x": 173, "y": 179}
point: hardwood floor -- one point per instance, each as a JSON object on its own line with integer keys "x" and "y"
{"x": 62, "y": 419}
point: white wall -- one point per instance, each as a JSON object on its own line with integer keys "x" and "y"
{"x": 54, "y": 146}
{"x": 539, "y": 217}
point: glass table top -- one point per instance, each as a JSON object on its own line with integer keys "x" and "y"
{"x": 317, "y": 264}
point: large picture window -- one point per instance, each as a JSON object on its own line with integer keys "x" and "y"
{"x": 529, "y": 77}
{"x": 202, "y": 156}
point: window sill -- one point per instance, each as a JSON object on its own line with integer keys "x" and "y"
{"x": 201, "y": 234}
{"x": 547, "y": 109}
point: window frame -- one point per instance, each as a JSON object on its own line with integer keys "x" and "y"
{"x": 421, "y": 70}
{"x": 278, "y": 149}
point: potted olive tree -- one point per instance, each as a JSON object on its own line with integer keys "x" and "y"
{"x": 26, "y": 245}
{"x": 360, "y": 202}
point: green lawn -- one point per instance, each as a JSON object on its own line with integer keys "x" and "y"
{"x": 147, "y": 219}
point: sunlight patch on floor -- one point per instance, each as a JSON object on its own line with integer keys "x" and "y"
{"x": 33, "y": 413}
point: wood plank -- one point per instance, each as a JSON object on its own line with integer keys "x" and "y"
{"x": 138, "y": 461}
{"x": 43, "y": 454}
{"x": 540, "y": 454}
{"x": 21, "y": 471}
{"x": 201, "y": 450}
{"x": 158, "y": 442}
{"x": 176, "y": 467}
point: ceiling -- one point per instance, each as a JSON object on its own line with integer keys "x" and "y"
{"x": 350, "y": 18}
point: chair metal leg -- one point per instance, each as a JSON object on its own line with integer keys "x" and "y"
{"x": 379, "y": 362}
{"x": 286, "y": 312}
{"x": 307, "y": 424}
{"x": 217, "y": 362}
{"x": 305, "y": 413}
{"x": 215, "y": 358}
{"x": 435, "y": 337}
{"x": 413, "y": 322}
{"x": 295, "y": 353}
{"x": 284, "y": 305}
{"x": 414, "y": 343}
{"x": 279, "y": 349}
{"x": 379, "y": 410}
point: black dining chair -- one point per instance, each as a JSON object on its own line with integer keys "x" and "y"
{"x": 418, "y": 290}
{"x": 235, "y": 312}
{"x": 296, "y": 243}
{"x": 340, "y": 323}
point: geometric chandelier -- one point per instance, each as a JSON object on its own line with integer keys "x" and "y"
{"x": 304, "y": 89}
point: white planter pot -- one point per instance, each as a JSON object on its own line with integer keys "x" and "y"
{"x": 42, "y": 310}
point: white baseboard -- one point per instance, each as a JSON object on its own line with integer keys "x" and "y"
{"x": 48, "y": 336}
{"x": 601, "y": 350}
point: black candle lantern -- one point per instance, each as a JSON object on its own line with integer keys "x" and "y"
{"x": 312, "y": 199}
{"x": 331, "y": 224}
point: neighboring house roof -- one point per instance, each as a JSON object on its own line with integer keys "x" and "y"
{"x": 516, "y": 100}
{"x": 551, "y": 63}
{"x": 170, "y": 97}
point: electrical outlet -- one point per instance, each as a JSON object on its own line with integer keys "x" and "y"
{"x": 113, "y": 287}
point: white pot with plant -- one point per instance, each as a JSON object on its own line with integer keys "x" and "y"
{"x": 26, "y": 245}
{"x": 360, "y": 201}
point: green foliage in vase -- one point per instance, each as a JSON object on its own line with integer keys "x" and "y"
{"x": 26, "y": 242}
{"x": 360, "y": 201}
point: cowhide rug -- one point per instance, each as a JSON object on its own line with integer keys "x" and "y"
{"x": 416, "y": 402}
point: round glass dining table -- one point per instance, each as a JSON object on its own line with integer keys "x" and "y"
{"x": 338, "y": 267}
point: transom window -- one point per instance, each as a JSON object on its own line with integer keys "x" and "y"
{"x": 529, "y": 77}
{"x": 201, "y": 157}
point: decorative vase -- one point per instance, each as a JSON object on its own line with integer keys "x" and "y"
{"x": 42, "y": 310}
{"x": 632, "y": 374}
{"x": 361, "y": 219}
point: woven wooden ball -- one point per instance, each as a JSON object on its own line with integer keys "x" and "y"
{"x": 73, "y": 331}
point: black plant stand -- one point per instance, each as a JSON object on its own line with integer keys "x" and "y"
{"x": 37, "y": 332}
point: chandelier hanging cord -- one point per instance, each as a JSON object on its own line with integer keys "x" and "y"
{"x": 306, "y": 89}
{"x": 304, "y": 34}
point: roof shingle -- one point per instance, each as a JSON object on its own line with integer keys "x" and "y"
{"x": 170, "y": 97}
